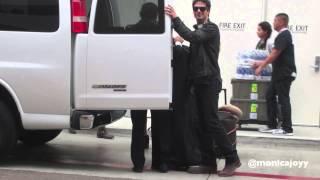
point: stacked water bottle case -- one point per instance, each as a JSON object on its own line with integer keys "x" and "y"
{"x": 244, "y": 62}
{"x": 249, "y": 91}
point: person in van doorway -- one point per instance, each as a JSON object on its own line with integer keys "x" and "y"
{"x": 160, "y": 135}
{"x": 284, "y": 72}
{"x": 148, "y": 22}
{"x": 160, "y": 119}
{"x": 264, "y": 32}
{"x": 205, "y": 80}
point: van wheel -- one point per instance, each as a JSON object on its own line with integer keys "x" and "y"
{"x": 38, "y": 137}
{"x": 8, "y": 131}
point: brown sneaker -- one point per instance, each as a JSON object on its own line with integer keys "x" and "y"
{"x": 103, "y": 133}
{"x": 202, "y": 169}
{"x": 106, "y": 136}
{"x": 229, "y": 169}
{"x": 72, "y": 131}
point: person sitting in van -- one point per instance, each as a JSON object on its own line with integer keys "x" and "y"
{"x": 148, "y": 22}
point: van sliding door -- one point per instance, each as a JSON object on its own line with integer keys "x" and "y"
{"x": 129, "y": 55}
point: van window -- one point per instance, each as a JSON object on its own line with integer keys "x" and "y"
{"x": 129, "y": 17}
{"x": 29, "y": 15}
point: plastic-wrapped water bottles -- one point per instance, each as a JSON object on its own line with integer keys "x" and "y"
{"x": 245, "y": 60}
{"x": 267, "y": 71}
{"x": 253, "y": 54}
{"x": 259, "y": 54}
{"x": 244, "y": 70}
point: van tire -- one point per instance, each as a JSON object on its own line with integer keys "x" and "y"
{"x": 38, "y": 137}
{"x": 8, "y": 131}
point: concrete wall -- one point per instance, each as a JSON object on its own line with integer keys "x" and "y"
{"x": 238, "y": 21}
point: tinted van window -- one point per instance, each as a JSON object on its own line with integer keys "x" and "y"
{"x": 29, "y": 15}
{"x": 129, "y": 17}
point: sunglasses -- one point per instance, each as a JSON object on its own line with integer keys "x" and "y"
{"x": 202, "y": 9}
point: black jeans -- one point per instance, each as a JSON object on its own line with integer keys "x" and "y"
{"x": 206, "y": 92}
{"x": 160, "y": 123}
{"x": 280, "y": 109}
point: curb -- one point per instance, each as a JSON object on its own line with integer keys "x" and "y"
{"x": 283, "y": 141}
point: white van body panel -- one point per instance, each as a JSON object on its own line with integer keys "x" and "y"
{"x": 45, "y": 121}
{"x": 79, "y": 73}
{"x": 11, "y": 92}
{"x": 140, "y": 62}
{"x": 36, "y": 121}
{"x": 37, "y": 66}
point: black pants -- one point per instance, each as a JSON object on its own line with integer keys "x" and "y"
{"x": 160, "y": 123}
{"x": 206, "y": 92}
{"x": 280, "y": 89}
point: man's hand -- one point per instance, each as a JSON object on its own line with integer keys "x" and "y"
{"x": 178, "y": 39}
{"x": 169, "y": 10}
{"x": 258, "y": 70}
{"x": 257, "y": 66}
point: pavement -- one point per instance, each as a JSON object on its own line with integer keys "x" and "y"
{"x": 304, "y": 133}
{"x": 31, "y": 175}
{"x": 83, "y": 156}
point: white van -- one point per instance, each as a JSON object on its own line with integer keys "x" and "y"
{"x": 64, "y": 61}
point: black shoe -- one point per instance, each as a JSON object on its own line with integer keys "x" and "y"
{"x": 178, "y": 167}
{"x": 229, "y": 169}
{"x": 163, "y": 168}
{"x": 202, "y": 169}
{"x": 137, "y": 169}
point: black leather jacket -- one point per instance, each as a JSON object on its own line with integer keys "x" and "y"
{"x": 204, "y": 48}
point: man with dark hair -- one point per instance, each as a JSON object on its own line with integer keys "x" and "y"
{"x": 207, "y": 2}
{"x": 284, "y": 72}
{"x": 205, "y": 79}
{"x": 148, "y": 22}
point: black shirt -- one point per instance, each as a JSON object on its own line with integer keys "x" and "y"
{"x": 284, "y": 66}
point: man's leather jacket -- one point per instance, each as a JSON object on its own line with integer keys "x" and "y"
{"x": 204, "y": 48}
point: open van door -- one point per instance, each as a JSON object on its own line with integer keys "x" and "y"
{"x": 129, "y": 55}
